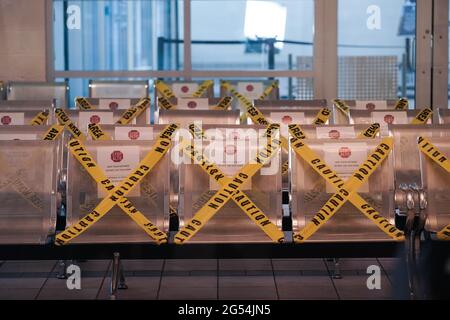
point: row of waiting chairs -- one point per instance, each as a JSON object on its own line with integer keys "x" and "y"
{"x": 40, "y": 179}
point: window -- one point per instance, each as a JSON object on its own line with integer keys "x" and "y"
{"x": 376, "y": 50}
{"x": 113, "y": 35}
{"x": 251, "y": 35}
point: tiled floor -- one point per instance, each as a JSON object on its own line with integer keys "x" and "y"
{"x": 202, "y": 279}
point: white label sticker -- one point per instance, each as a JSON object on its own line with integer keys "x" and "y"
{"x": 251, "y": 90}
{"x": 389, "y": 117}
{"x": 12, "y": 118}
{"x": 114, "y": 104}
{"x": 117, "y": 163}
{"x": 287, "y": 118}
{"x": 345, "y": 158}
{"x": 371, "y": 105}
{"x": 133, "y": 133}
{"x": 87, "y": 117}
{"x": 184, "y": 90}
{"x": 20, "y": 136}
{"x": 193, "y": 104}
{"x": 328, "y": 132}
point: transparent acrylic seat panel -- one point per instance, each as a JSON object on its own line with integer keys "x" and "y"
{"x": 231, "y": 224}
{"x": 115, "y": 103}
{"x": 133, "y": 132}
{"x": 22, "y": 115}
{"x": 406, "y": 153}
{"x": 252, "y": 89}
{"x": 436, "y": 182}
{"x": 28, "y": 191}
{"x": 365, "y": 116}
{"x": 288, "y": 104}
{"x": 340, "y": 118}
{"x": 150, "y": 196}
{"x": 186, "y": 117}
{"x": 443, "y": 116}
{"x": 28, "y": 104}
{"x": 312, "y": 131}
{"x": 185, "y": 88}
{"x": 39, "y": 91}
{"x": 118, "y": 89}
{"x": 309, "y": 193}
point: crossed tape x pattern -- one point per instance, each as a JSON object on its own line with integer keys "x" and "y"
{"x": 345, "y": 190}
{"x": 229, "y": 189}
{"x": 116, "y": 196}
{"x": 80, "y": 152}
{"x": 240, "y": 198}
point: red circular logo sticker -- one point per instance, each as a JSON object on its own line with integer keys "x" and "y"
{"x": 230, "y": 149}
{"x": 370, "y": 106}
{"x": 286, "y": 119}
{"x": 345, "y": 152}
{"x": 192, "y": 104}
{"x": 6, "y": 120}
{"x": 117, "y": 156}
{"x": 250, "y": 88}
{"x": 94, "y": 119}
{"x": 113, "y": 105}
{"x": 334, "y": 134}
{"x": 184, "y": 89}
{"x": 389, "y": 119}
{"x": 133, "y": 134}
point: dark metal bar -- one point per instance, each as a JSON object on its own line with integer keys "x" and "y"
{"x": 201, "y": 251}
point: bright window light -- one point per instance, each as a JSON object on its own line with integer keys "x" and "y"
{"x": 265, "y": 19}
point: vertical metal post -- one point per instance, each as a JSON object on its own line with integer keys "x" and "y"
{"x": 439, "y": 97}
{"x": 187, "y": 41}
{"x": 161, "y": 53}
{"x": 290, "y": 79}
{"x": 424, "y": 13}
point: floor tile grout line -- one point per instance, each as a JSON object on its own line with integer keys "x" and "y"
{"x": 385, "y": 272}
{"x": 217, "y": 285}
{"x": 160, "y": 279}
{"x": 105, "y": 275}
{"x": 274, "y": 279}
{"x": 331, "y": 278}
{"x": 45, "y": 281}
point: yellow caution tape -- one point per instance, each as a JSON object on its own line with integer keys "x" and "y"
{"x": 342, "y": 106}
{"x": 322, "y": 116}
{"x": 285, "y": 168}
{"x": 347, "y": 190}
{"x": 83, "y": 104}
{"x": 40, "y": 118}
{"x": 165, "y": 104}
{"x": 79, "y": 151}
{"x": 402, "y": 104}
{"x": 53, "y": 132}
{"x": 64, "y": 119}
{"x": 164, "y": 90}
{"x": 205, "y": 85}
{"x": 230, "y": 188}
{"x": 224, "y": 103}
{"x": 267, "y": 91}
{"x": 432, "y": 152}
{"x": 423, "y": 116}
{"x": 134, "y": 111}
{"x": 97, "y": 133}
{"x": 239, "y": 197}
{"x": 116, "y": 195}
{"x": 370, "y": 132}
